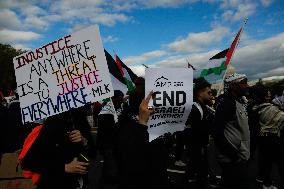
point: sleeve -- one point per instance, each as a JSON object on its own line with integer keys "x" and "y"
{"x": 132, "y": 154}
{"x": 194, "y": 118}
{"x": 224, "y": 113}
{"x": 43, "y": 157}
{"x": 81, "y": 123}
{"x": 105, "y": 131}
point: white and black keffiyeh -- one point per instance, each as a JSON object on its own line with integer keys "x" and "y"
{"x": 279, "y": 100}
{"x": 233, "y": 78}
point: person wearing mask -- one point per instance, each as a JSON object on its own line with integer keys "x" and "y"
{"x": 198, "y": 126}
{"x": 231, "y": 132}
{"x": 61, "y": 150}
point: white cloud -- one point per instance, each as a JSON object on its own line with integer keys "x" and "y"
{"x": 36, "y": 22}
{"x": 276, "y": 71}
{"x": 198, "y": 60}
{"x": 76, "y": 27}
{"x": 138, "y": 70}
{"x": 266, "y": 3}
{"x": 243, "y": 11}
{"x": 123, "y": 5}
{"x": 21, "y": 46}
{"x": 262, "y": 58}
{"x": 273, "y": 77}
{"x": 9, "y": 19}
{"x": 75, "y": 4}
{"x": 109, "y": 39}
{"x": 210, "y": 1}
{"x": 91, "y": 12}
{"x": 32, "y": 10}
{"x": 195, "y": 42}
{"x": 109, "y": 19}
{"x": 257, "y": 59}
{"x": 31, "y": 16}
{"x": 14, "y": 3}
{"x": 230, "y": 3}
{"x": 11, "y": 36}
{"x": 165, "y": 3}
{"x": 144, "y": 57}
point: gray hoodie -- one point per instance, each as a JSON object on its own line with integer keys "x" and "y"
{"x": 231, "y": 131}
{"x": 271, "y": 118}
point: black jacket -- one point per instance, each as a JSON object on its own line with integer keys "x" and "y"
{"x": 52, "y": 150}
{"x": 199, "y": 123}
{"x": 141, "y": 164}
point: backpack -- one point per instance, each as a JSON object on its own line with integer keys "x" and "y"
{"x": 30, "y": 139}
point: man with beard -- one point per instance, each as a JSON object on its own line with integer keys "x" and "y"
{"x": 231, "y": 132}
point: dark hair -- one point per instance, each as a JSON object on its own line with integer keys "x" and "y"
{"x": 199, "y": 84}
{"x": 117, "y": 93}
{"x": 137, "y": 95}
{"x": 139, "y": 82}
{"x": 258, "y": 93}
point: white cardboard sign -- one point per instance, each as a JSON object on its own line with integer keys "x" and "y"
{"x": 63, "y": 74}
{"x": 173, "y": 99}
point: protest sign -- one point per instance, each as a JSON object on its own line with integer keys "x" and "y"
{"x": 63, "y": 74}
{"x": 172, "y": 101}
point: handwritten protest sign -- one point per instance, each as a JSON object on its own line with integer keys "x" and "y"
{"x": 173, "y": 99}
{"x": 63, "y": 74}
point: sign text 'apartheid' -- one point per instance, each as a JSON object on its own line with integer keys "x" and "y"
{"x": 172, "y": 100}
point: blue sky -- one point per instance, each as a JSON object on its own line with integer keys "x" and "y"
{"x": 159, "y": 33}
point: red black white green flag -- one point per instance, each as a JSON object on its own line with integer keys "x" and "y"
{"x": 219, "y": 62}
{"x": 121, "y": 75}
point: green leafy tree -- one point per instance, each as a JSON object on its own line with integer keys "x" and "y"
{"x": 7, "y": 73}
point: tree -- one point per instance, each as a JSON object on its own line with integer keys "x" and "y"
{"x": 7, "y": 73}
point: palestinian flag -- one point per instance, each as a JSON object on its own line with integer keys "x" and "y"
{"x": 119, "y": 74}
{"x": 218, "y": 63}
{"x": 126, "y": 73}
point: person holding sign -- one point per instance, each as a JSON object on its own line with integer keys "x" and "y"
{"x": 197, "y": 132}
{"x": 141, "y": 164}
{"x": 60, "y": 152}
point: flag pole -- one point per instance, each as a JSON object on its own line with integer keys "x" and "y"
{"x": 145, "y": 65}
{"x": 242, "y": 29}
{"x": 189, "y": 65}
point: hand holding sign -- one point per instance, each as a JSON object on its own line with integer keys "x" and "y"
{"x": 144, "y": 110}
{"x": 76, "y": 166}
{"x": 76, "y": 137}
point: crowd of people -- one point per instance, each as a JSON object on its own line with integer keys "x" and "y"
{"x": 241, "y": 121}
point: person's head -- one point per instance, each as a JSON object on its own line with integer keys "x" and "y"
{"x": 236, "y": 85}
{"x": 117, "y": 98}
{"x": 138, "y": 94}
{"x": 140, "y": 83}
{"x": 258, "y": 93}
{"x": 202, "y": 91}
{"x": 279, "y": 101}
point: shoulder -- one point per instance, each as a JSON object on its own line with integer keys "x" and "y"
{"x": 226, "y": 103}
